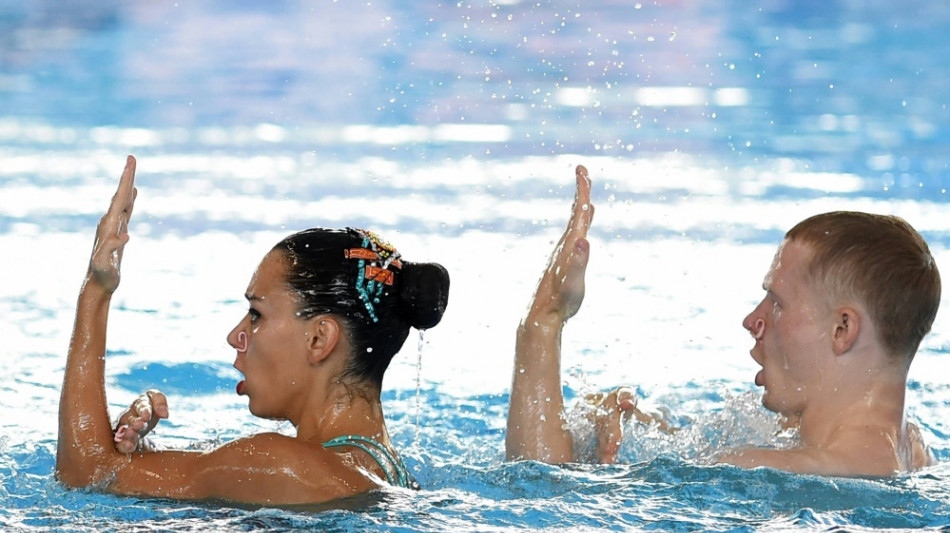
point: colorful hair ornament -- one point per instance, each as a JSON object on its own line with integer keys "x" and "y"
{"x": 374, "y": 259}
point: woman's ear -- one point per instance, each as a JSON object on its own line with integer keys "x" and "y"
{"x": 325, "y": 332}
{"x": 846, "y": 329}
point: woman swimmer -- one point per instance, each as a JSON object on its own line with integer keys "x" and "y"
{"x": 328, "y": 311}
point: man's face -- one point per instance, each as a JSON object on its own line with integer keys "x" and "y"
{"x": 792, "y": 327}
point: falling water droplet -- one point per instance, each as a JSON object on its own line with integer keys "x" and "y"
{"x": 419, "y": 381}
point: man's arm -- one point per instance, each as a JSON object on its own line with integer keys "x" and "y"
{"x": 535, "y": 416}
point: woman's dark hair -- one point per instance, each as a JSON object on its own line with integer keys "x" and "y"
{"x": 361, "y": 279}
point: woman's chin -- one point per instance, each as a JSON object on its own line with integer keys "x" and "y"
{"x": 262, "y": 412}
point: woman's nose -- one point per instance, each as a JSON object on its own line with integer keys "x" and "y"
{"x": 237, "y": 338}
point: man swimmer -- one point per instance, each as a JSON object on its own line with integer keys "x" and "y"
{"x": 849, "y": 296}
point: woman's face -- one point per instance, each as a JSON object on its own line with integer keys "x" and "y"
{"x": 271, "y": 342}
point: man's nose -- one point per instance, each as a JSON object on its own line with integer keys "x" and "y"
{"x": 754, "y": 324}
{"x": 757, "y": 328}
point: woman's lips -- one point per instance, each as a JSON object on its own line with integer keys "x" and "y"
{"x": 240, "y": 388}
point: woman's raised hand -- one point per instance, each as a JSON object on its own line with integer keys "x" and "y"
{"x": 139, "y": 419}
{"x": 561, "y": 289}
{"x": 112, "y": 232}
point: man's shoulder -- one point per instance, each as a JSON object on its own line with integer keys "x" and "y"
{"x": 854, "y": 454}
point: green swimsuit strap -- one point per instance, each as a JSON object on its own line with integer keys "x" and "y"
{"x": 374, "y": 449}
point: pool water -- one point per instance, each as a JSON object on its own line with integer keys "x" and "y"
{"x": 452, "y": 130}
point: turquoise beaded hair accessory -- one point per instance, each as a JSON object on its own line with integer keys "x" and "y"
{"x": 374, "y": 259}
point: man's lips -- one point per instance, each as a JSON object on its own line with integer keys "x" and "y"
{"x": 760, "y": 375}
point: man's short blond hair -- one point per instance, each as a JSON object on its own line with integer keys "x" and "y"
{"x": 883, "y": 263}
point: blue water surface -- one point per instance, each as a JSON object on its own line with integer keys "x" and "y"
{"x": 452, "y": 129}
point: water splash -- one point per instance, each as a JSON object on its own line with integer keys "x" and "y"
{"x": 741, "y": 422}
{"x": 418, "y": 383}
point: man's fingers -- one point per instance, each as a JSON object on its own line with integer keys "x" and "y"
{"x": 614, "y": 409}
{"x": 135, "y": 194}
{"x": 126, "y": 192}
{"x": 583, "y": 184}
{"x": 580, "y": 171}
{"x": 583, "y": 211}
{"x": 580, "y": 257}
{"x": 626, "y": 399}
{"x": 609, "y": 435}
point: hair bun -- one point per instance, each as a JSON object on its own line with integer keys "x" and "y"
{"x": 423, "y": 293}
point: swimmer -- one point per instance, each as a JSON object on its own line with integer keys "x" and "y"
{"x": 848, "y": 298}
{"x": 328, "y": 309}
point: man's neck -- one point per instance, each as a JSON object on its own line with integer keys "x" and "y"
{"x": 875, "y": 403}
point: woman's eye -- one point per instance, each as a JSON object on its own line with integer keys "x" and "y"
{"x": 254, "y": 314}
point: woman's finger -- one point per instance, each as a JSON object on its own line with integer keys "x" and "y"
{"x": 126, "y": 439}
{"x": 158, "y": 402}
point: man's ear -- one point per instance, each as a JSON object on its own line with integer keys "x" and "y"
{"x": 325, "y": 332}
{"x": 846, "y": 328}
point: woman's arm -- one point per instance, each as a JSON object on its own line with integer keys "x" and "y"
{"x": 85, "y": 433}
{"x": 535, "y": 416}
{"x": 264, "y": 468}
